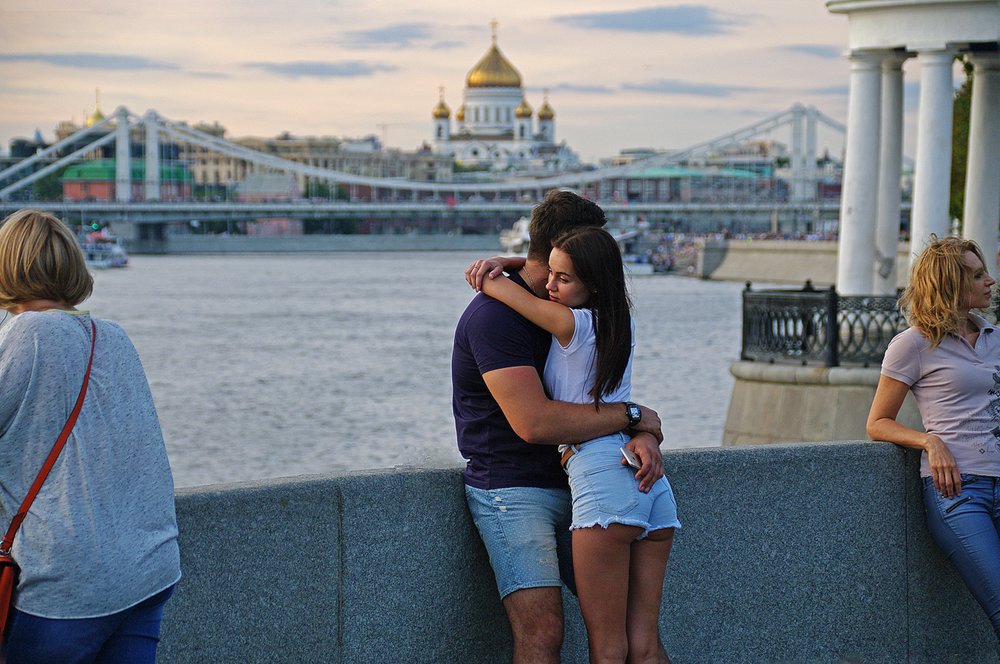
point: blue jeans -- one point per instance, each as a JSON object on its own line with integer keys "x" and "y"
{"x": 526, "y": 534}
{"x": 126, "y": 637}
{"x": 967, "y": 528}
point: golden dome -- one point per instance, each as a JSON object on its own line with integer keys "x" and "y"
{"x": 441, "y": 111}
{"x": 494, "y": 70}
{"x": 545, "y": 111}
{"x": 94, "y": 118}
{"x": 460, "y": 113}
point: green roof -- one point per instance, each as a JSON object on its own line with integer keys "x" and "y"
{"x": 104, "y": 169}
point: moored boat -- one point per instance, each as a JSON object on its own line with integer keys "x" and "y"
{"x": 103, "y": 250}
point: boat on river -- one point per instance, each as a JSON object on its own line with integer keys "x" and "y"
{"x": 514, "y": 240}
{"x": 103, "y": 250}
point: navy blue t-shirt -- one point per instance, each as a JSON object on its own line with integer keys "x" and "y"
{"x": 490, "y": 335}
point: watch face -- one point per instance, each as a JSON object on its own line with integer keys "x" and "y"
{"x": 634, "y": 413}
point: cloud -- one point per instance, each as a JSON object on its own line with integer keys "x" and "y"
{"x": 400, "y": 35}
{"x": 832, "y": 90}
{"x": 89, "y": 60}
{"x": 437, "y": 46}
{"x": 675, "y": 87}
{"x": 346, "y": 69}
{"x": 209, "y": 74}
{"x": 817, "y": 50}
{"x": 679, "y": 19}
{"x": 574, "y": 88}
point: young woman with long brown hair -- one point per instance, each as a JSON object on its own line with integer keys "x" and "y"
{"x": 622, "y": 536}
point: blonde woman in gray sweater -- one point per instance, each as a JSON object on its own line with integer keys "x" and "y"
{"x": 97, "y": 550}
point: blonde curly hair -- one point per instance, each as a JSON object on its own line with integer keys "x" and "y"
{"x": 940, "y": 283}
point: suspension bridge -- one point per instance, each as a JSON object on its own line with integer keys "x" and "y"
{"x": 624, "y": 190}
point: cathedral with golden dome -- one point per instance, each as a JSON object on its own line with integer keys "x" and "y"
{"x": 495, "y": 127}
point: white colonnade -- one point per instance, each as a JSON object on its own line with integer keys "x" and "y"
{"x": 858, "y": 201}
{"x": 982, "y": 179}
{"x": 883, "y": 35}
{"x": 932, "y": 171}
{"x": 889, "y": 172}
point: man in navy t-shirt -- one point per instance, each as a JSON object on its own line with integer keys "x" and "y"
{"x": 508, "y": 429}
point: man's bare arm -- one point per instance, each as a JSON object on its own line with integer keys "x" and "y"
{"x": 537, "y": 419}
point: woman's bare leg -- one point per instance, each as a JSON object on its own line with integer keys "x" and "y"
{"x": 645, "y": 594}
{"x": 601, "y": 566}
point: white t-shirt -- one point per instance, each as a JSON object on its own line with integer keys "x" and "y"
{"x": 570, "y": 371}
{"x": 957, "y": 390}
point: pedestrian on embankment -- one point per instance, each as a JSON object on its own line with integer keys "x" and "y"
{"x": 950, "y": 360}
{"x": 97, "y": 550}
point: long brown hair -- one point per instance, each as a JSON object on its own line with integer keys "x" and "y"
{"x": 940, "y": 283}
{"x": 598, "y": 264}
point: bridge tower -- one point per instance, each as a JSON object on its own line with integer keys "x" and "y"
{"x": 123, "y": 169}
{"x": 151, "y": 188}
{"x": 803, "y": 159}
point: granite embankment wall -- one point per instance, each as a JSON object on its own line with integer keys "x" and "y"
{"x": 779, "y": 261}
{"x": 789, "y": 553}
{"x": 773, "y": 403}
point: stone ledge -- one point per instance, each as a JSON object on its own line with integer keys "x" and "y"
{"x": 800, "y": 375}
{"x": 793, "y": 553}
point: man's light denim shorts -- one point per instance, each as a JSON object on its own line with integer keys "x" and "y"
{"x": 526, "y": 533}
{"x": 606, "y": 492}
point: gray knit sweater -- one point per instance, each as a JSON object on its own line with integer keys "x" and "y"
{"x": 102, "y": 534}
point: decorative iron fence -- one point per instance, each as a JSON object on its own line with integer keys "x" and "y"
{"x": 818, "y": 327}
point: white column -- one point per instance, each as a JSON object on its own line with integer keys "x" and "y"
{"x": 932, "y": 176}
{"x": 123, "y": 172}
{"x": 982, "y": 178}
{"x": 856, "y": 247}
{"x": 151, "y": 187}
{"x": 890, "y": 164}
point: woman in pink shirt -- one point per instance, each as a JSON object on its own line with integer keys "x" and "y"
{"x": 950, "y": 360}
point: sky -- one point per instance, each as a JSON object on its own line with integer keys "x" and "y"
{"x": 619, "y": 75}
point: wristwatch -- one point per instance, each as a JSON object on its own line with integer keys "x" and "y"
{"x": 634, "y": 413}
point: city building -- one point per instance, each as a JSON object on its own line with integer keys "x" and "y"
{"x": 495, "y": 127}
{"x": 217, "y": 175}
{"x": 94, "y": 180}
{"x": 363, "y": 156}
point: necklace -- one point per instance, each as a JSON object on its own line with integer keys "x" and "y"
{"x": 527, "y": 277}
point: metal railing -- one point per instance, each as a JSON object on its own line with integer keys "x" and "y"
{"x": 818, "y": 327}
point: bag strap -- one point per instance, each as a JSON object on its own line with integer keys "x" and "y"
{"x": 22, "y": 512}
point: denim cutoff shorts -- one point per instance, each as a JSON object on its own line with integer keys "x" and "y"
{"x": 605, "y": 491}
{"x": 526, "y": 534}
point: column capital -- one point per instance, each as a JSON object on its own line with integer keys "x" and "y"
{"x": 985, "y": 61}
{"x": 893, "y": 60}
{"x": 861, "y": 60}
{"x": 936, "y": 56}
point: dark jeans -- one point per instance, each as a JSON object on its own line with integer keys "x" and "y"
{"x": 967, "y": 528}
{"x": 126, "y": 637}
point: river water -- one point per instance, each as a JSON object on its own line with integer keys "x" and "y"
{"x": 277, "y": 365}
